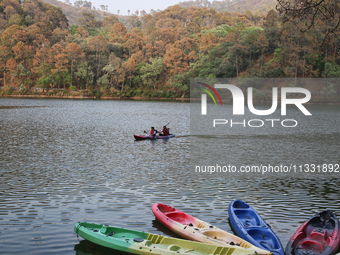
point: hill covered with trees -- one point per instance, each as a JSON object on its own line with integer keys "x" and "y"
{"x": 233, "y": 5}
{"x": 73, "y": 12}
{"x": 153, "y": 55}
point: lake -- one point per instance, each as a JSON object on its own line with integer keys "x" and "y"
{"x": 64, "y": 161}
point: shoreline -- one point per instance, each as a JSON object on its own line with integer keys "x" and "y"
{"x": 138, "y": 99}
{"x": 93, "y": 97}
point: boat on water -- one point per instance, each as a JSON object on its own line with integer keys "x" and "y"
{"x": 317, "y": 236}
{"x": 249, "y": 225}
{"x": 144, "y": 137}
{"x": 195, "y": 229}
{"x": 137, "y": 242}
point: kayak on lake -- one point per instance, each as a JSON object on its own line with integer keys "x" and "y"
{"x": 249, "y": 225}
{"x": 195, "y": 229}
{"x": 318, "y": 235}
{"x": 137, "y": 242}
{"x": 143, "y": 137}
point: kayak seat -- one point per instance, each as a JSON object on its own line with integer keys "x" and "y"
{"x": 248, "y": 218}
{"x": 215, "y": 234}
{"x": 240, "y": 205}
{"x": 311, "y": 245}
{"x": 264, "y": 237}
{"x": 318, "y": 234}
{"x": 165, "y": 208}
{"x": 181, "y": 217}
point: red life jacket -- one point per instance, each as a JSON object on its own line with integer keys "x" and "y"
{"x": 153, "y": 132}
{"x": 165, "y": 131}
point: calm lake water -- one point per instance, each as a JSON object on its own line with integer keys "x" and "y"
{"x": 64, "y": 161}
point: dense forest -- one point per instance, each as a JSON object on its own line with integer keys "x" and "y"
{"x": 154, "y": 55}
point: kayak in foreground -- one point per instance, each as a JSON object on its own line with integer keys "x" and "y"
{"x": 138, "y": 242}
{"x": 192, "y": 228}
{"x": 143, "y": 137}
{"x": 249, "y": 225}
{"x": 318, "y": 235}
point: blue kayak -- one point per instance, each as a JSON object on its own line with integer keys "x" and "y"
{"x": 248, "y": 225}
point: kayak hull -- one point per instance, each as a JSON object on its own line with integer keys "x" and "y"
{"x": 195, "y": 229}
{"x": 144, "y": 137}
{"x": 249, "y": 225}
{"x": 318, "y": 235}
{"x": 137, "y": 242}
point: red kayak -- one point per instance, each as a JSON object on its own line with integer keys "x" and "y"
{"x": 143, "y": 137}
{"x": 317, "y": 236}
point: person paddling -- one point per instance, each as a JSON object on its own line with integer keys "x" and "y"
{"x": 166, "y": 131}
{"x": 153, "y": 131}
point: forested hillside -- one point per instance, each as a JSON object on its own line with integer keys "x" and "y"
{"x": 153, "y": 55}
{"x": 73, "y": 13}
{"x": 233, "y": 5}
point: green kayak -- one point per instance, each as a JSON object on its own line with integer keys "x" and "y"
{"x": 138, "y": 242}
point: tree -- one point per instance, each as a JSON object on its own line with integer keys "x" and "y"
{"x": 102, "y": 7}
{"x": 110, "y": 21}
{"x": 234, "y": 37}
{"x": 74, "y": 54}
{"x": 109, "y": 72}
{"x": 60, "y": 64}
{"x": 129, "y": 67}
{"x": 311, "y": 12}
{"x": 99, "y": 45}
{"x": 332, "y": 70}
{"x": 261, "y": 43}
{"x": 142, "y": 13}
{"x": 133, "y": 43}
{"x": 175, "y": 61}
{"x": 5, "y": 55}
{"x": 10, "y": 11}
{"x": 11, "y": 66}
{"x": 84, "y": 74}
{"x": 118, "y": 31}
{"x": 42, "y": 65}
{"x": 151, "y": 72}
{"x": 147, "y": 21}
{"x": 23, "y": 55}
{"x": 87, "y": 20}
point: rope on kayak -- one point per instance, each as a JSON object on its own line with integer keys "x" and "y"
{"x": 77, "y": 231}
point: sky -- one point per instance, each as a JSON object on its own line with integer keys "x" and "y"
{"x": 132, "y": 5}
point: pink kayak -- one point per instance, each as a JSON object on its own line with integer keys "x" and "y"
{"x": 143, "y": 137}
{"x": 197, "y": 230}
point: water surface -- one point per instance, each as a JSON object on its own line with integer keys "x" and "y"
{"x": 64, "y": 161}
